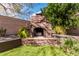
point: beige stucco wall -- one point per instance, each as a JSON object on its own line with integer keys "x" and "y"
{"x": 11, "y": 24}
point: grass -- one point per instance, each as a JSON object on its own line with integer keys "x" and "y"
{"x": 33, "y": 51}
{"x": 66, "y": 49}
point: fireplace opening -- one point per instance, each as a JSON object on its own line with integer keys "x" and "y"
{"x": 38, "y": 32}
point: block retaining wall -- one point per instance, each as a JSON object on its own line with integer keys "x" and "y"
{"x": 40, "y": 42}
{"x": 8, "y": 45}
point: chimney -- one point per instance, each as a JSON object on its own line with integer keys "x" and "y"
{"x": 39, "y": 14}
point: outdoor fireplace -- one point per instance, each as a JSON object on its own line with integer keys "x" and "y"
{"x": 38, "y": 32}
{"x": 39, "y": 26}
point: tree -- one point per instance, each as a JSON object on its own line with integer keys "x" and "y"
{"x": 14, "y": 9}
{"x": 61, "y": 14}
{"x": 9, "y": 9}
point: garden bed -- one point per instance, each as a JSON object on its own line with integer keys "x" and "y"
{"x": 40, "y": 47}
{"x": 9, "y": 43}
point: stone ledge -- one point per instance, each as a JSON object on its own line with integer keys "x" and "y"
{"x": 4, "y": 39}
{"x": 43, "y": 41}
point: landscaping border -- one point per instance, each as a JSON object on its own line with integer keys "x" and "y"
{"x": 7, "y": 45}
{"x": 40, "y": 41}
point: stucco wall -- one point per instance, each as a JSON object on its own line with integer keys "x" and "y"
{"x": 74, "y": 31}
{"x": 11, "y": 24}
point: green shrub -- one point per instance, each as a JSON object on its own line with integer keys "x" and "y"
{"x": 69, "y": 43}
{"x": 23, "y": 33}
{"x": 59, "y": 30}
{"x": 70, "y": 46}
{"x": 2, "y": 32}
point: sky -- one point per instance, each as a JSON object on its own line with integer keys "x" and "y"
{"x": 38, "y": 6}
{"x": 25, "y": 12}
{"x": 35, "y": 9}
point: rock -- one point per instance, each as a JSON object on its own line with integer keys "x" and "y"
{"x": 40, "y": 22}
